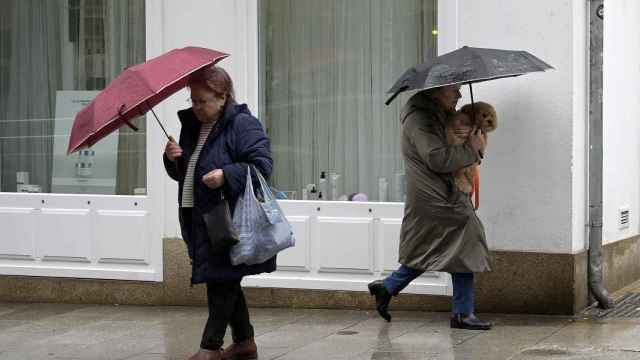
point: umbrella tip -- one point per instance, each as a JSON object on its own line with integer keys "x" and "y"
{"x": 390, "y": 99}
{"x": 395, "y": 94}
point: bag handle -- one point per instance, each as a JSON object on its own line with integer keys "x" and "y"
{"x": 264, "y": 187}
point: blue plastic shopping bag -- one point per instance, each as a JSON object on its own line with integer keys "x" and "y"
{"x": 262, "y": 226}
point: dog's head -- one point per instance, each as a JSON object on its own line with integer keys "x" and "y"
{"x": 485, "y": 115}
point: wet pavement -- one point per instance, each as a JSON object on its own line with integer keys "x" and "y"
{"x": 63, "y": 331}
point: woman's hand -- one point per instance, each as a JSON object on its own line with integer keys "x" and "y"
{"x": 172, "y": 150}
{"x": 478, "y": 140}
{"x": 214, "y": 178}
{"x": 462, "y": 132}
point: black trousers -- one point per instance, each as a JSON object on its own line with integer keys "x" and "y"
{"x": 227, "y": 306}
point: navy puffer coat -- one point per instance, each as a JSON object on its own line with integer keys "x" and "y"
{"x": 240, "y": 142}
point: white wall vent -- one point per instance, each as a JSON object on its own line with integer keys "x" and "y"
{"x": 623, "y": 218}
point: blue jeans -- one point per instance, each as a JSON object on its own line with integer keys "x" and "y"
{"x": 463, "y": 297}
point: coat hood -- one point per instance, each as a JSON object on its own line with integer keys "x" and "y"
{"x": 231, "y": 110}
{"x": 422, "y": 101}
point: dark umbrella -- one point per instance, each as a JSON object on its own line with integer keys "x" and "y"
{"x": 467, "y": 65}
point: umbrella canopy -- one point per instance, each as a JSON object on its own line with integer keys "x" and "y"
{"x": 135, "y": 91}
{"x": 465, "y": 66}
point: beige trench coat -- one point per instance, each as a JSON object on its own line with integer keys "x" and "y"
{"x": 440, "y": 230}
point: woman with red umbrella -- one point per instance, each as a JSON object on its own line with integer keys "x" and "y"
{"x": 218, "y": 140}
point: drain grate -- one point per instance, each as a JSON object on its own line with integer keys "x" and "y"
{"x": 628, "y": 306}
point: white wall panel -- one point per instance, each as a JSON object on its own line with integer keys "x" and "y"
{"x": 122, "y": 237}
{"x": 17, "y": 237}
{"x": 390, "y": 231}
{"x": 64, "y": 235}
{"x": 345, "y": 244}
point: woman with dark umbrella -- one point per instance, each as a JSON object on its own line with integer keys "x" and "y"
{"x": 440, "y": 230}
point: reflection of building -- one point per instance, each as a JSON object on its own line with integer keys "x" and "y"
{"x": 315, "y": 106}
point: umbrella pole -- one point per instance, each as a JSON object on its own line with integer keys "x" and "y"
{"x": 473, "y": 111}
{"x": 159, "y": 123}
{"x": 473, "y": 117}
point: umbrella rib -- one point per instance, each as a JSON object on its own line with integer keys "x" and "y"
{"x": 160, "y": 90}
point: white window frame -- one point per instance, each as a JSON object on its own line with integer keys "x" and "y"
{"x": 73, "y": 235}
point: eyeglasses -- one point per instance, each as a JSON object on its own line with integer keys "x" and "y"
{"x": 198, "y": 103}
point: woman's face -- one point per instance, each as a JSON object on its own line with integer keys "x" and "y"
{"x": 206, "y": 104}
{"x": 448, "y": 96}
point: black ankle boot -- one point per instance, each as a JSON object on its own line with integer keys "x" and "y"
{"x": 469, "y": 322}
{"x": 377, "y": 289}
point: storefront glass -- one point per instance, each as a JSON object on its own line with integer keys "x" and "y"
{"x": 325, "y": 67}
{"x": 55, "y": 55}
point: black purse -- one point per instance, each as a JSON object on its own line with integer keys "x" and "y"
{"x": 222, "y": 234}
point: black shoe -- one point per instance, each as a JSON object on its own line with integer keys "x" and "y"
{"x": 377, "y": 289}
{"x": 469, "y": 322}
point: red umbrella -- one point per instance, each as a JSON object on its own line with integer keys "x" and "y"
{"x": 137, "y": 90}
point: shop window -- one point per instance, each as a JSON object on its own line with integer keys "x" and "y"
{"x": 55, "y": 55}
{"x": 325, "y": 68}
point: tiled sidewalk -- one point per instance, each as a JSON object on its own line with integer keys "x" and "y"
{"x": 61, "y": 331}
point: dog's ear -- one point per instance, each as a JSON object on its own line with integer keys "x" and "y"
{"x": 466, "y": 109}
